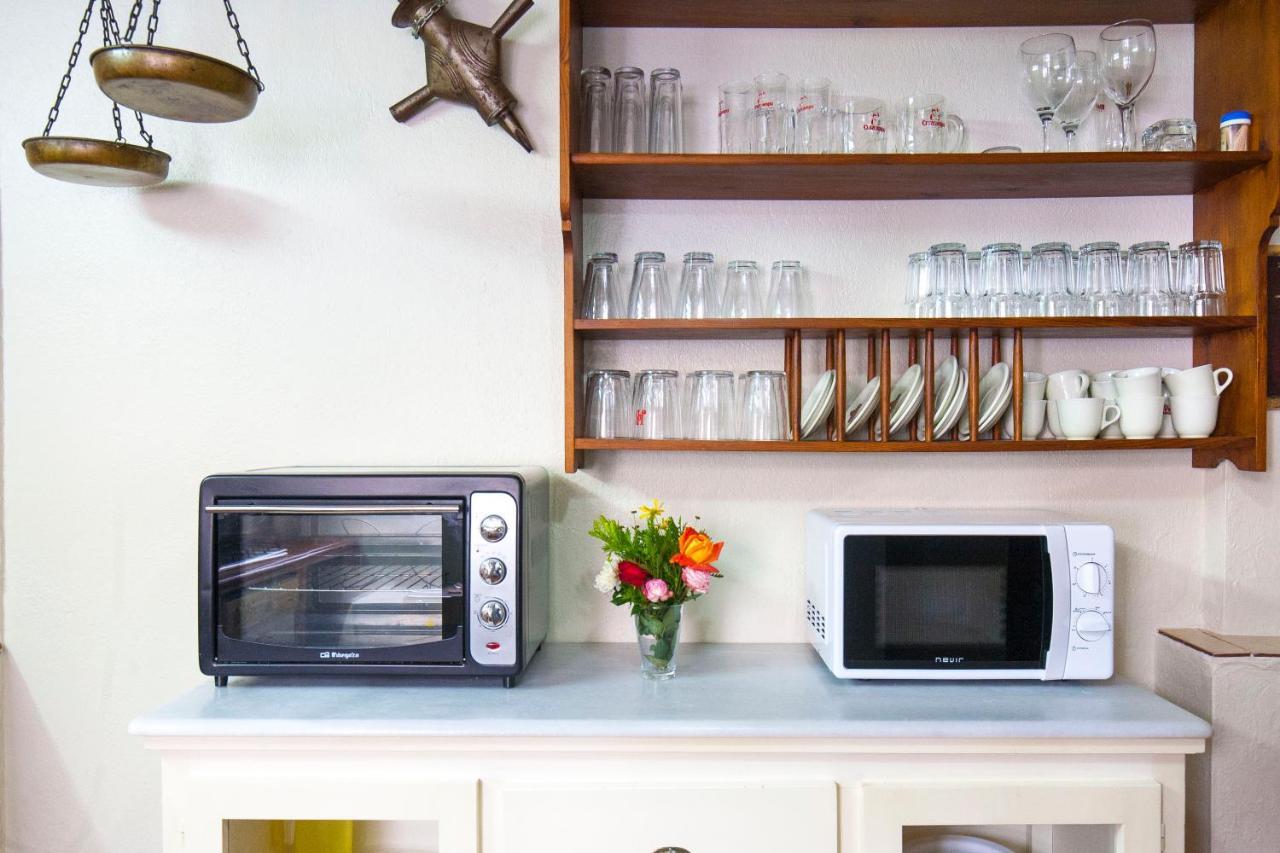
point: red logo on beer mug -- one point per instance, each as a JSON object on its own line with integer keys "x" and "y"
{"x": 933, "y": 119}
{"x": 640, "y": 415}
{"x": 873, "y": 124}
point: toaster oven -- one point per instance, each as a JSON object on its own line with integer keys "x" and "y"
{"x": 373, "y": 571}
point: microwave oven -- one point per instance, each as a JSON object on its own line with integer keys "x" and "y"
{"x": 920, "y": 594}
{"x": 342, "y": 571}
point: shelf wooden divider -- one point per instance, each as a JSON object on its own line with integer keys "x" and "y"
{"x": 1218, "y": 443}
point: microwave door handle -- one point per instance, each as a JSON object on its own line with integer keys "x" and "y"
{"x": 330, "y": 509}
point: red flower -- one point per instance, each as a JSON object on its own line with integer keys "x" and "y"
{"x": 632, "y": 574}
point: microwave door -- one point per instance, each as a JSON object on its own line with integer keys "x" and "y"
{"x": 947, "y": 605}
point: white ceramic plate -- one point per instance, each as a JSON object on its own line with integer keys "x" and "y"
{"x": 954, "y": 844}
{"x": 994, "y": 392}
{"x": 818, "y": 404}
{"x": 955, "y": 407}
{"x": 905, "y": 398}
{"x": 945, "y": 381}
{"x": 862, "y": 407}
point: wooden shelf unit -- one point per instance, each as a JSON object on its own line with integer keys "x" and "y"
{"x": 1236, "y": 199}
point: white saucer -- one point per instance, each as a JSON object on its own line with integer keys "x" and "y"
{"x": 817, "y": 406}
{"x": 950, "y": 416}
{"x": 905, "y": 398}
{"x": 995, "y": 390}
{"x": 862, "y": 407}
{"x": 946, "y": 379}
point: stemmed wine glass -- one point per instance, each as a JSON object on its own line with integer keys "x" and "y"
{"x": 1085, "y": 87}
{"x": 1128, "y": 58}
{"x": 1048, "y": 62}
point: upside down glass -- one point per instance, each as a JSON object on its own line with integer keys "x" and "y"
{"x": 710, "y": 406}
{"x": 597, "y": 109}
{"x": 650, "y": 293}
{"x": 1201, "y": 270}
{"x": 698, "y": 299}
{"x": 608, "y": 404}
{"x": 947, "y": 281}
{"x": 602, "y": 297}
{"x": 657, "y": 405}
{"x": 788, "y": 292}
{"x": 919, "y": 294}
{"x": 1150, "y": 279}
{"x": 742, "y": 290}
{"x": 1102, "y": 277}
{"x": 1002, "y": 280}
{"x": 763, "y": 412}
{"x": 630, "y": 112}
{"x": 666, "y": 107}
{"x": 737, "y": 100}
{"x": 1052, "y": 271}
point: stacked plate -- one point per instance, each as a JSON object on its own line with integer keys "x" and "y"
{"x": 904, "y": 398}
{"x": 950, "y": 392}
{"x": 863, "y": 407}
{"x": 995, "y": 390}
{"x": 817, "y": 406}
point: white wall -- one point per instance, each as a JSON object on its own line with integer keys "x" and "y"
{"x": 318, "y": 284}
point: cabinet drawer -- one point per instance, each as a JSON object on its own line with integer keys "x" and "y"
{"x": 730, "y": 817}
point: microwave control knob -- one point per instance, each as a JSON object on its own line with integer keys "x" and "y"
{"x": 493, "y": 614}
{"x": 1092, "y": 626}
{"x": 493, "y": 528}
{"x": 1091, "y": 577}
{"x": 493, "y": 570}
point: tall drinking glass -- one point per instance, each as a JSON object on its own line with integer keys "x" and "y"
{"x": 1002, "y": 280}
{"x": 1202, "y": 269}
{"x": 788, "y": 292}
{"x": 630, "y": 112}
{"x": 860, "y": 126}
{"x": 1086, "y": 85}
{"x": 742, "y": 290}
{"x": 666, "y": 112}
{"x": 1048, "y": 62}
{"x": 711, "y": 407}
{"x": 763, "y": 412}
{"x": 813, "y": 116}
{"x": 919, "y": 298}
{"x": 947, "y": 281}
{"x": 1052, "y": 272}
{"x": 608, "y": 399}
{"x": 657, "y": 405}
{"x": 1102, "y": 276}
{"x": 1127, "y": 62}
{"x": 597, "y": 109}
{"x": 697, "y": 299}
{"x": 1150, "y": 279}
{"x": 737, "y": 99}
{"x": 602, "y": 297}
{"x": 650, "y": 293}
{"x": 973, "y": 280}
{"x": 772, "y": 116}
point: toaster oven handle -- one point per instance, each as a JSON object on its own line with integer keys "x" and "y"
{"x": 331, "y": 509}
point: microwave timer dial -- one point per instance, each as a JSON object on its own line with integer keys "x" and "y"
{"x": 493, "y": 528}
{"x": 493, "y": 614}
{"x": 1091, "y": 578}
{"x": 493, "y": 570}
{"x": 1092, "y": 626}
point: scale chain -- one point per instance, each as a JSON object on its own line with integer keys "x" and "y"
{"x": 110, "y": 36}
{"x": 241, "y": 44}
{"x": 71, "y": 64}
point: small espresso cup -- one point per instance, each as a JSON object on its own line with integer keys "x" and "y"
{"x": 1202, "y": 381}
{"x": 1066, "y": 385}
{"x": 1140, "y": 417}
{"x": 1138, "y": 382}
{"x": 1194, "y": 417}
{"x": 1082, "y": 418}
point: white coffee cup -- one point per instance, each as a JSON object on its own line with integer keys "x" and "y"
{"x": 1140, "y": 417}
{"x": 1103, "y": 387}
{"x": 1033, "y": 385}
{"x": 1066, "y": 384}
{"x": 1033, "y": 414}
{"x": 1202, "y": 381}
{"x": 1138, "y": 382}
{"x": 1082, "y": 418}
{"x": 1166, "y": 426}
{"x": 1194, "y": 417}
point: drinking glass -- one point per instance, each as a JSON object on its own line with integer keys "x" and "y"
{"x": 1128, "y": 59}
{"x": 710, "y": 406}
{"x": 1086, "y": 84}
{"x": 597, "y": 120}
{"x": 772, "y": 117}
{"x": 608, "y": 397}
{"x": 947, "y": 281}
{"x": 742, "y": 290}
{"x": 736, "y": 102}
{"x": 650, "y": 294}
{"x": 698, "y": 299}
{"x": 859, "y": 126}
{"x": 1102, "y": 276}
{"x": 1201, "y": 270}
{"x": 788, "y": 295}
{"x": 1079, "y": 293}
{"x": 919, "y": 294}
{"x": 1001, "y": 266}
{"x": 973, "y": 279}
{"x": 630, "y": 123}
{"x": 1052, "y": 274}
{"x": 1048, "y": 64}
{"x": 602, "y": 294}
{"x": 1170, "y": 134}
{"x": 657, "y": 404}
{"x": 813, "y": 116}
{"x": 666, "y": 112}
{"x": 925, "y": 126}
{"x": 1150, "y": 279}
{"x": 763, "y": 414}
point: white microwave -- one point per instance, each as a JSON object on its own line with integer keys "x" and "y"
{"x": 923, "y": 594}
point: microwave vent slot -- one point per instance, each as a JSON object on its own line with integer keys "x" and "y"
{"x": 817, "y": 621}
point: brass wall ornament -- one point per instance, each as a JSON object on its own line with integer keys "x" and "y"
{"x": 463, "y": 63}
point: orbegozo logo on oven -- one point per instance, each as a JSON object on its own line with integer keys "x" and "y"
{"x": 339, "y": 655}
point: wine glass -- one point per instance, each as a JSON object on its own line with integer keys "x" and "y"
{"x": 1048, "y": 63}
{"x": 1128, "y": 58}
{"x": 1085, "y": 87}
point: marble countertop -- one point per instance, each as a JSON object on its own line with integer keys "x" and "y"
{"x": 739, "y": 690}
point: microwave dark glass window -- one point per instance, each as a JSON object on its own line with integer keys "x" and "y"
{"x": 947, "y": 602}
{"x": 292, "y": 580}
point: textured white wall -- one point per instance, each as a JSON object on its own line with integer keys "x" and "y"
{"x": 320, "y": 285}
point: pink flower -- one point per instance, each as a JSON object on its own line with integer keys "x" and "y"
{"x": 656, "y": 590}
{"x": 697, "y": 580}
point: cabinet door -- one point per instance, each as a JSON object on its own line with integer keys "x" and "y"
{"x": 642, "y": 818}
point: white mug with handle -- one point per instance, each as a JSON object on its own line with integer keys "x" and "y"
{"x": 1201, "y": 381}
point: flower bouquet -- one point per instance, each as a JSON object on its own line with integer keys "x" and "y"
{"x": 655, "y": 565}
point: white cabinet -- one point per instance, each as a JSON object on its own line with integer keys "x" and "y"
{"x": 704, "y": 817}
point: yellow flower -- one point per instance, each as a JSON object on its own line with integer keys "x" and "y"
{"x": 652, "y": 510}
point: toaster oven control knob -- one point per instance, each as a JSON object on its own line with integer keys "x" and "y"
{"x": 1092, "y": 626}
{"x": 493, "y": 528}
{"x": 1090, "y": 578}
{"x": 493, "y": 570}
{"x": 493, "y": 614}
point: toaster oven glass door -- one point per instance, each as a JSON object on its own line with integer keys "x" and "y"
{"x": 947, "y": 602}
{"x": 328, "y": 582}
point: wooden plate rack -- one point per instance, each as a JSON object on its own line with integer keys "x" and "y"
{"x": 1236, "y": 200}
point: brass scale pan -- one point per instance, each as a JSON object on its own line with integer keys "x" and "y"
{"x": 159, "y": 81}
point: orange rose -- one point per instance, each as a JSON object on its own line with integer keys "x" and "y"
{"x": 697, "y": 551}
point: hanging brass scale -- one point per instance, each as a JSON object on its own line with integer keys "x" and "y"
{"x": 98, "y": 162}
{"x": 177, "y": 84}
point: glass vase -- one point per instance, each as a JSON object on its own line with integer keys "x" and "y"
{"x": 658, "y": 632}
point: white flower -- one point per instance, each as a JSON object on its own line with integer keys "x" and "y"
{"x": 607, "y": 579}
